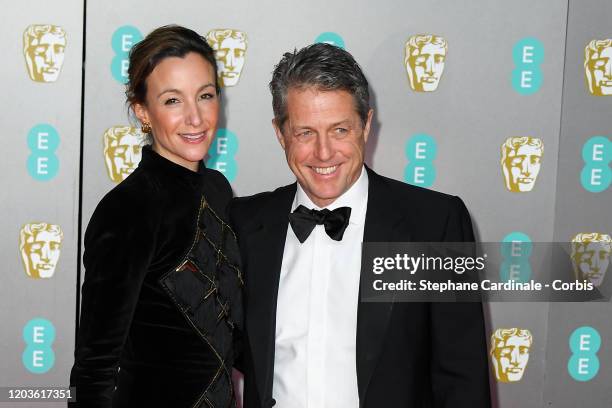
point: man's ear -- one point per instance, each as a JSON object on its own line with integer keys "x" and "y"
{"x": 141, "y": 112}
{"x": 279, "y": 133}
{"x": 366, "y": 128}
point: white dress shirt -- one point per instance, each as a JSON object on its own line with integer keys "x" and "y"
{"x": 316, "y": 316}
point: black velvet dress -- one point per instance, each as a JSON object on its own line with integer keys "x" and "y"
{"x": 161, "y": 300}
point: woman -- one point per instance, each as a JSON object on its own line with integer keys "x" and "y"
{"x": 161, "y": 300}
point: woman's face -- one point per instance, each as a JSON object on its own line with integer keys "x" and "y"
{"x": 182, "y": 108}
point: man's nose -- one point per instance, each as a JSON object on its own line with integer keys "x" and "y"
{"x": 323, "y": 148}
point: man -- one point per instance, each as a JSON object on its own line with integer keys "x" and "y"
{"x": 510, "y": 353}
{"x": 309, "y": 341}
{"x": 425, "y": 58}
{"x": 521, "y": 159}
{"x": 43, "y": 47}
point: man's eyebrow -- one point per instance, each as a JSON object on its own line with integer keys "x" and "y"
{"x": 342, "y": 122}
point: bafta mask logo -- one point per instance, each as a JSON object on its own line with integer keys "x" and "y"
{"x": 591, "y": 256}
{"x": 122, "y": 151}
{"x": 43, "y": 47}
{"x": 598, "y": 67}
{"x": 230, "y": 48}
{"x": 40, "y": 244}
{"x": 520, "y": 162}
{"x": 425, "y": 57}
{"x": 510, "y": 353}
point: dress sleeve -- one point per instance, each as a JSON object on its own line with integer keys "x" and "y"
{"x": 119, "y": 247}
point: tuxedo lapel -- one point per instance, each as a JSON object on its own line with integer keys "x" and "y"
{"x": 381, "y": 224}
{"x": 266, "y": 242}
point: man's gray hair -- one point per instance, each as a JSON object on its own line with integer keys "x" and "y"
{"x": 324, "y": 67}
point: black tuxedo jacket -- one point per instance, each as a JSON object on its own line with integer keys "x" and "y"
{"x": 408, "y": 354}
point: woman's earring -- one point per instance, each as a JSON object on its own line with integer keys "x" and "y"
{"x": 146, "y": 127}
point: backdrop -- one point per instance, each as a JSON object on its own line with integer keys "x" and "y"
{"x": 506, "y": 104}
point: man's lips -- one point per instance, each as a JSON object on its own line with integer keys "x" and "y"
{"x": 325, "y": 170}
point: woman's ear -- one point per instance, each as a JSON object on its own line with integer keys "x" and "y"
{"x": 141, "y": 112}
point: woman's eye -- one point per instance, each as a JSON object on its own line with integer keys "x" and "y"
{"x": 171, "y": 101}
{"x": 207, "y": 96}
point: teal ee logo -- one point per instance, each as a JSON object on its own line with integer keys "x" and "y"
{"x": 122, "y": 42}
{"x": 330, "y": 38}
{"x": 527, "y": 55}
{"x": 596, "y": 174}
{"x": 584, "y": 343}
{"x": 421, "y": 150}
{"x": 516, "y": 249}
{"x": 38, "y": 357}
{"x": 42, "y": 162}
{"x": 222, "y": 152}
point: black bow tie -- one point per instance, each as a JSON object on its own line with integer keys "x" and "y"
{"x": 303, "y": 221}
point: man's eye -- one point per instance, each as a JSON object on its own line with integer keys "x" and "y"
{"x": 304, "y": 133}
{"x": 341, "y": 131}
{"x": 171, "y": 101}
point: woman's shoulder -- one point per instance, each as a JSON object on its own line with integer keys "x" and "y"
{"x": 137, "y": 198}
{"x": 218, "y": 185}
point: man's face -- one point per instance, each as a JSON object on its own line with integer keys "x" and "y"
{"x": 523, "y": 165}
{"x": 124, "y": 154}
{"x": 41, "y": 253}
{"x": 599, "y": 70}
{"x": 324, "y": 141}
{"x": 426, "y": 68}
{"x": 510, "y": 359}
{"x": 45, "y": 56}
{"x": 230, "y": 54}
{"x": 592, "y": 260}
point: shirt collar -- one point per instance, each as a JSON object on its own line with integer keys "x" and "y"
{"x": 355, "y": 197}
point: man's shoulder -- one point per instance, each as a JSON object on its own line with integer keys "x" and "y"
{"x": 405, "y": 193}
{"x": 248, "y": 208}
